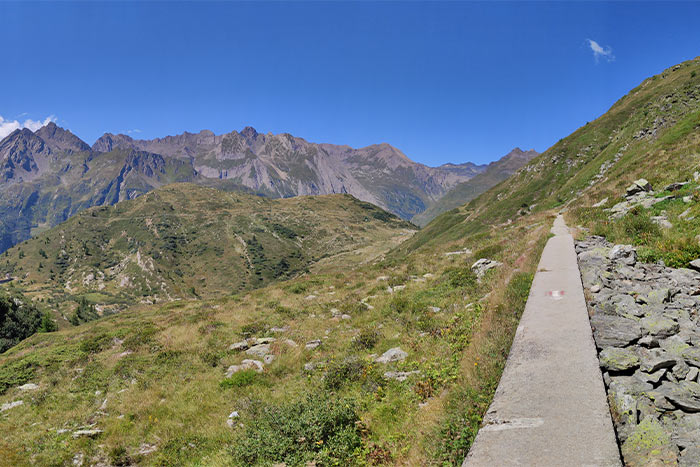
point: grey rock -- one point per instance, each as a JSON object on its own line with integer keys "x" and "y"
{"x": 614, "y": 331}
{"x": 653, "y": 378}
{"x": 649, "y": 444}
{"x": 662, "y": 221}
{"x": 93, "y": 433}
{"x": 392, "y": 355}
{"x": 267, "y": 359}
{"x": 658, "y": 296}
{"x": 238, "y": 346}
{"x": 692, "y": 374}
{"x": 675, "y": 186}
{"x": 400, "y": 375}
{"x": 684, "y": 394}
{"x": 638, "y": 186}
{"x": 262, "y": 340}
{"x": 312, "y": 344}
{"x": 595, "y": 288}
{"x": 245, "y": 365}
{"x": 692, "y": 356}
{"x": 690, "y": 457}
{"x": 617, "y": 359}
{"x": 695, "y": 264}
{"x": 483, "y": 265}
{"x": 259, "y": 350}
{"x": 10, "y": 405}
{"x": 625, "y": 254}
{"x": 28, "y": 387}
{"x": 655, "y": 359}
{"x": 659, "y": 326}
{"x": 680, "y": 370}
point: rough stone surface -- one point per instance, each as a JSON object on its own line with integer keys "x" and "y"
{"x": 617, "y": 359}
{"x": 392, "y": 355}
{"x": 656, "y": 410}
{"x": 245, "y": 365}
{"x": 483, "y": 265}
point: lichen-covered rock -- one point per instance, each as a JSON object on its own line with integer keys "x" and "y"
{"x": 684, "y": 395}
{"x": 649, "y": 444}
{"x": 638, "y": 186}
{"x": 659, "y": 326}
{"x": 618, "y": 359}
{"x": 614, "y": 331}
{"x": 259, "y": 350}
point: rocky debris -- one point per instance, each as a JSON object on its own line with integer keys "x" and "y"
{"x": 662, "y": 221}
{"x": 10, "y": 405}
{"x": 675, "y": 186}
{"x": 392, "y": 355}
{"x": 245, "y": 365}
{"x": 231, "y": 420}
{"x": 259, "y": 350}
{"x": 278, "y": 329}
{"x": 400, "y": 375}
{"x": 601, "y": 203}
{"x": 483, "y": 265}
{"x": 646, "y": 324}
{"x": 146, "y": 449}
{"x": 464, "y": 251}
{"x": 87, "y": 433}
{"x": 28, "y": 387}
{"x": 625, "y": 254}
{"x": 250, "y": 343}
{"x": 312, "y": 344}
{"x": 638, "y": 186}
{"x": 310, "y": 297}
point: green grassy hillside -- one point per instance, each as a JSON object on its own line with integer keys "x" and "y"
{"x": 186, "y": 241}
{"x": 150, "y": 385}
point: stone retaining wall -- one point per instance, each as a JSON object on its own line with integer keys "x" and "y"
{"x": 645, "y": 320}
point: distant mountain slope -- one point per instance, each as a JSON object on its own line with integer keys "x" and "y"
{"x": 188, "y": 241}
{"x": 653, "y": 131}
{"x": 49, "y": 175}
{"x": 494, "y": 174}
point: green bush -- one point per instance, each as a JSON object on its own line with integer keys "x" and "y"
{"x": 18, "y": 321}
{"x": 95, "y": 344}
{"x": 346, "y": 371}
{"x": 16, "y": 373}
{"x": 640, "y": 228}
{"x": 318, "y": 428}
{"x": 367, "y": 339}
{"x": 490, "y": 251}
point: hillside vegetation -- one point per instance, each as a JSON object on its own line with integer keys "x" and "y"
{"x": 173, "y": 384}
{"x": 186, "y": 241}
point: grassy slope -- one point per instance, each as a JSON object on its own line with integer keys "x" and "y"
{"x": 184, "y": 241}
{"x": 565, "y": 173}
{"x": 167, "y": 392}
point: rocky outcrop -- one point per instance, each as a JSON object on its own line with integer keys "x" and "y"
{"x": 646, "y": 325}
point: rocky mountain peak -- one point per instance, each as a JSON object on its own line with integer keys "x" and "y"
{"x": 109, "y": 141}
{"x": 61, "y": 140}
{"x": 249, "y": 132}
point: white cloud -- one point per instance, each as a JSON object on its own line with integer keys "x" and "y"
{"x": 598, "y": 51}
{"x": 8, "y": 126}
{"x": 135, "y": 130}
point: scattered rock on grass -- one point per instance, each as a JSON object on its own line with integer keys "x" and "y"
{"x": 245, "y": 365}
{"x": 483, "y": 265}
{"x": 392, "y": 355}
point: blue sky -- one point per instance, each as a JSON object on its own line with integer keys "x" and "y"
{"x": 443, "y": 82}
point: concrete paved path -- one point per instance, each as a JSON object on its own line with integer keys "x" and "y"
{"x": 550, "y": 407}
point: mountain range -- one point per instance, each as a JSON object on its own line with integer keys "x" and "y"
{"x": 49, "y": 175}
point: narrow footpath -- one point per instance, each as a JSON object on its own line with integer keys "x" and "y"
{"x": 550, "y": 408}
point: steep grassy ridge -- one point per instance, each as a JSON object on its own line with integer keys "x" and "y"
{"x": 652, "y": 131}
{"x": 188, "y": 241}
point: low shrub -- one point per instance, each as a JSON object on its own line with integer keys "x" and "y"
{"x": 367, "y": 339}
{"x": 318, "y": 428}
{"x": 240, "y": 379}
